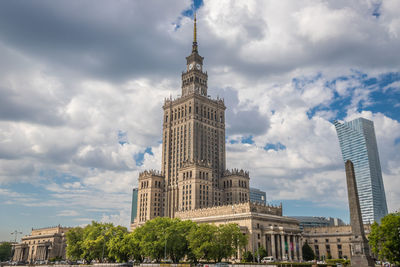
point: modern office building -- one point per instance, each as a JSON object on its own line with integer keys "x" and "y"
{"x": 134, "y": 204}
{"x": 358, "y": 144}
{"x": 313, "y": 221}
{"x": 256, "y": 195}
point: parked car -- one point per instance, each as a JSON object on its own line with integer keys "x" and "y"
{"x": 268, "y": 259}
{"x": 222, "y": 264}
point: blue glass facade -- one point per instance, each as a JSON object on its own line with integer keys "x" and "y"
{"x": 358, "y": 144}
{"x": 134, "y": 204}
{"x": 256, "y": 195}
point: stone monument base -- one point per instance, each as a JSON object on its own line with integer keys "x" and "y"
{"x": 362, "y": 261}
{"x": 360, "y": 256}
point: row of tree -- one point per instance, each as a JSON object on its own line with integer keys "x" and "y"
{"x": 160, "y": 238}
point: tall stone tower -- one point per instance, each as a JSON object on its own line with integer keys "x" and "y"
{"x": 193, "y": 138}
{"x": 193, "y": 170}
{"x": 360, "y": 256}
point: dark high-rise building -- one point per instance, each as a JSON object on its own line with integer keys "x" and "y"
{"x": 134, "y": 204}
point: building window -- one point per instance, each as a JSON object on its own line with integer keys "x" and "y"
{"x": 327, "y": 240}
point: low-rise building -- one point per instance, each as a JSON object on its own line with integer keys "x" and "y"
{"x": 332, "y": 241}
{"x": 42, "y": 244}
{"x": 263, "y": 224}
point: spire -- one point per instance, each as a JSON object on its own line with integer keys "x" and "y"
{"x": 194, "y": 46}
{"x": 195, "y": 29}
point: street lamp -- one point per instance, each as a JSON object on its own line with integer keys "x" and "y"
{"x": 165, "y": 246}
{"x": 15, "y": 233}
{"x": 104, "y": 243}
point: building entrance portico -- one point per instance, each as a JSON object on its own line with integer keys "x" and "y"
{"x": 283, "y": 245}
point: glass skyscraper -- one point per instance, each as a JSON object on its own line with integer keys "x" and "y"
{"x": 134, "y": 204}
{"x": 358, "y": 144}
{"x": 256, "y": 195}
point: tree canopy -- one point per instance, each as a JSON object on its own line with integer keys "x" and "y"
{"x": 308, "y": 253}
{"x": 96, "y": 241}
{"x": 157, "y": 239}
{"x": 5, "y": 251}
{"x": 384, "y": 239}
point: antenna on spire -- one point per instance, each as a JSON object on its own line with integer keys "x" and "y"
{"x": 195, "y": 29}
{"x": 194, "y": 46}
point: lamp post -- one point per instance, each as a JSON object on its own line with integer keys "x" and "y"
{"x": 15, "y": 233}
{"x": 165, "y": 247}
{"x": 104, "y": 243}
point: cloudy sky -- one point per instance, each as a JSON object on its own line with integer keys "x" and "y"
{"x": 82, "y": 84}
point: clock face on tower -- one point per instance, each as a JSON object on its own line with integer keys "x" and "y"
{"x": 198, "y": 66}
{"x": 190, "y": 66}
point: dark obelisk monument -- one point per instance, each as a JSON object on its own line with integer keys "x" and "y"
{"x": 360, "y": 255}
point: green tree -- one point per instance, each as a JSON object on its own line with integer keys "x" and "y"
{"x": 203, "y": 241}
{"x": 153, "y": 236}
{"x": 93, "y": 242}
{"x": 384, "y": 239}
{"x": 5, "y": 251}
{"x": 208, "y": 241}
{"x": 229, "y": 240}
{"x": 260, "y": 253}
{"x": 95, "y": 238}
{"x": 117, "y": 244}
{"x": 74, "y": 243}
{"x": 177, "y": 239}
{"x": 308, "y": 253}
{"x": 131, "y": 246}
{"x": 247, "y": 257}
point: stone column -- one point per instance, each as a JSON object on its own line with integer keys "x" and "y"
{"x": 263, "y": 240}
{"x": 278, "y": 246}
{"x": 295, "y": 245}
{"x": 289, "y": 248}
{"x": 273, "y": 245}
{"x": 300, "y": 248}
{"x": 360, "y": 254}
{"x": 283, "y": 245}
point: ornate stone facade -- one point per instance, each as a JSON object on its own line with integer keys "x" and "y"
{"x": 331, "y": 240}
{"x": 194, "y": 182}
{"x": 263, "y": 224}
{"x": 42, "y": 244}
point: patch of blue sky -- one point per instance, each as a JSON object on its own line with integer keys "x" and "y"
{"x": 308, "y": 208}
{"x": 278, "y": 146}
{"x": 382, "y": 97}
{"x": 195, "y": 5}
{"x": 122, "y": 137}
{"x": 247, "y": 140}
{"x": 300, "y": 82}
{"x": 376, "y": 12}
{"x": 139, "y": 157}
{"x": 58, "y": 177}
{"x": 28, "y": 189}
